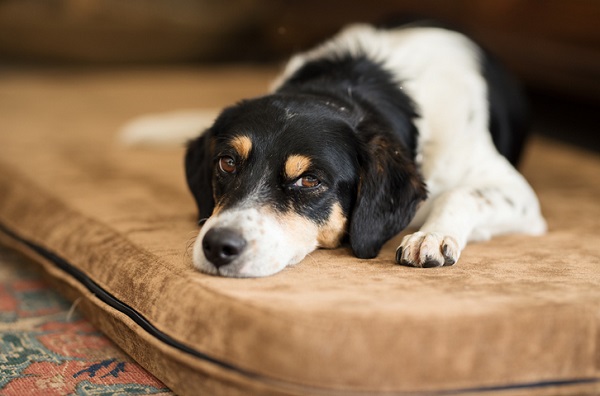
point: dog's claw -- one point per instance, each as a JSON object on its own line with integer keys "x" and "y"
{"x": 448, "y": 257}
{"x": 399, "y": 255}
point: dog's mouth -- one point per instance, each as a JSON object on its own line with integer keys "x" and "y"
{"x": 252, "y": 242}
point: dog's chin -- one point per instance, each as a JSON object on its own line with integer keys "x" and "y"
{"x": 272, "y": 243}
{"x": 243, "y": 270}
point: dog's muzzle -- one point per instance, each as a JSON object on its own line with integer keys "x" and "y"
{"x": 251, "y": 242}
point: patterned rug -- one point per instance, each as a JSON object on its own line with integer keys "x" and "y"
{"x": 47, "y": 348}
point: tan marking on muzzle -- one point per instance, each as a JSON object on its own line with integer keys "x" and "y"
{"x": 330, "y": 234}
{"x": 296, "y": 165}
{"x": 242, "y": 145}
{"x": 300, "y": 229}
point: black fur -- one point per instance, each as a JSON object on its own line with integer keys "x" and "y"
{"x": 508, "y": 109}
{"x": 199, "y": 174}
{"x": 348, "y": 114}
{"x": 390, "y": 186}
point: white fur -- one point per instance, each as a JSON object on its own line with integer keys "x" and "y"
{"x": 272, "y": 243}
{"x": 167, "y": 129}
{"x": 474, "y": 192}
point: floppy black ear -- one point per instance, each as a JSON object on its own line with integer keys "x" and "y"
{"x": 198, "y": 172}
{"x": 389, "y": 191}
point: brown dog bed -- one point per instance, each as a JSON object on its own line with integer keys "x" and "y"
{"x": 112, "y": 226}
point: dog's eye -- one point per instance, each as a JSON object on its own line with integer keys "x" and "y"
{"x": 307, "y": 181}
{"x": 227, "y": 164}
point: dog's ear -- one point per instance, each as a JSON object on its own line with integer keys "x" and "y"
{"x": 389, "y": 191}
{"x": 199, "y": 172}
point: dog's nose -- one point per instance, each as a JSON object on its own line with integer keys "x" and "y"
{"x": 222, "y": 245}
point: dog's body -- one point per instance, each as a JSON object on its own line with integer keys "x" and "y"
{"x": 356, "y": 136}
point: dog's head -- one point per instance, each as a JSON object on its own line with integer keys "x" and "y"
{"x": 276, "y": 177}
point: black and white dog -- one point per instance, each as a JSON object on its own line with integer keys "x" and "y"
{"x": 369, "y": 133}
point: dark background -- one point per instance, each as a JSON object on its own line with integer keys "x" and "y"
{"x": 552, "y": 45}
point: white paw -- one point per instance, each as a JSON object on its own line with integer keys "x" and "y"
{"x": 427, "y": 249}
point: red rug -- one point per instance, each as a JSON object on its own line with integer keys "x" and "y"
{"x": 47, "y": 348}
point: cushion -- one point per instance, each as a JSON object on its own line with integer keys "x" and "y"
{"x": 112, "y": 227}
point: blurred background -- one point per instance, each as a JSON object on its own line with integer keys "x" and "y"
{"x": 552, "y": 45}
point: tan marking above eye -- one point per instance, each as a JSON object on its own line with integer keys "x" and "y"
{"x": 296, "y": 165}
{"x": 242, "y": 145}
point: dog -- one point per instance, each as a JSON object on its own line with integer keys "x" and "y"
{"x": 371, "y": 132}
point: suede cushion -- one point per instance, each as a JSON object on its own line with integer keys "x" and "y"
{"x": 113, "y": 226}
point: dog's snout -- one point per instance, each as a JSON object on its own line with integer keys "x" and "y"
{"x": 222, "y": 245}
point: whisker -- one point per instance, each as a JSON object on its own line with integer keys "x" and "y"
{"x": 310, "y": 256}
{"x": 187, "y": 252}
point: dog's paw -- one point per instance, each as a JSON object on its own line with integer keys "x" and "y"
{"x": 427, "y": 249}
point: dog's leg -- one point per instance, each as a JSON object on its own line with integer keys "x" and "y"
{"x": 499, "y": 201}
{"x": 167, "y": 129}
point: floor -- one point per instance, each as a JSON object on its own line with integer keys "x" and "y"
{"x": 48, "y": 348}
